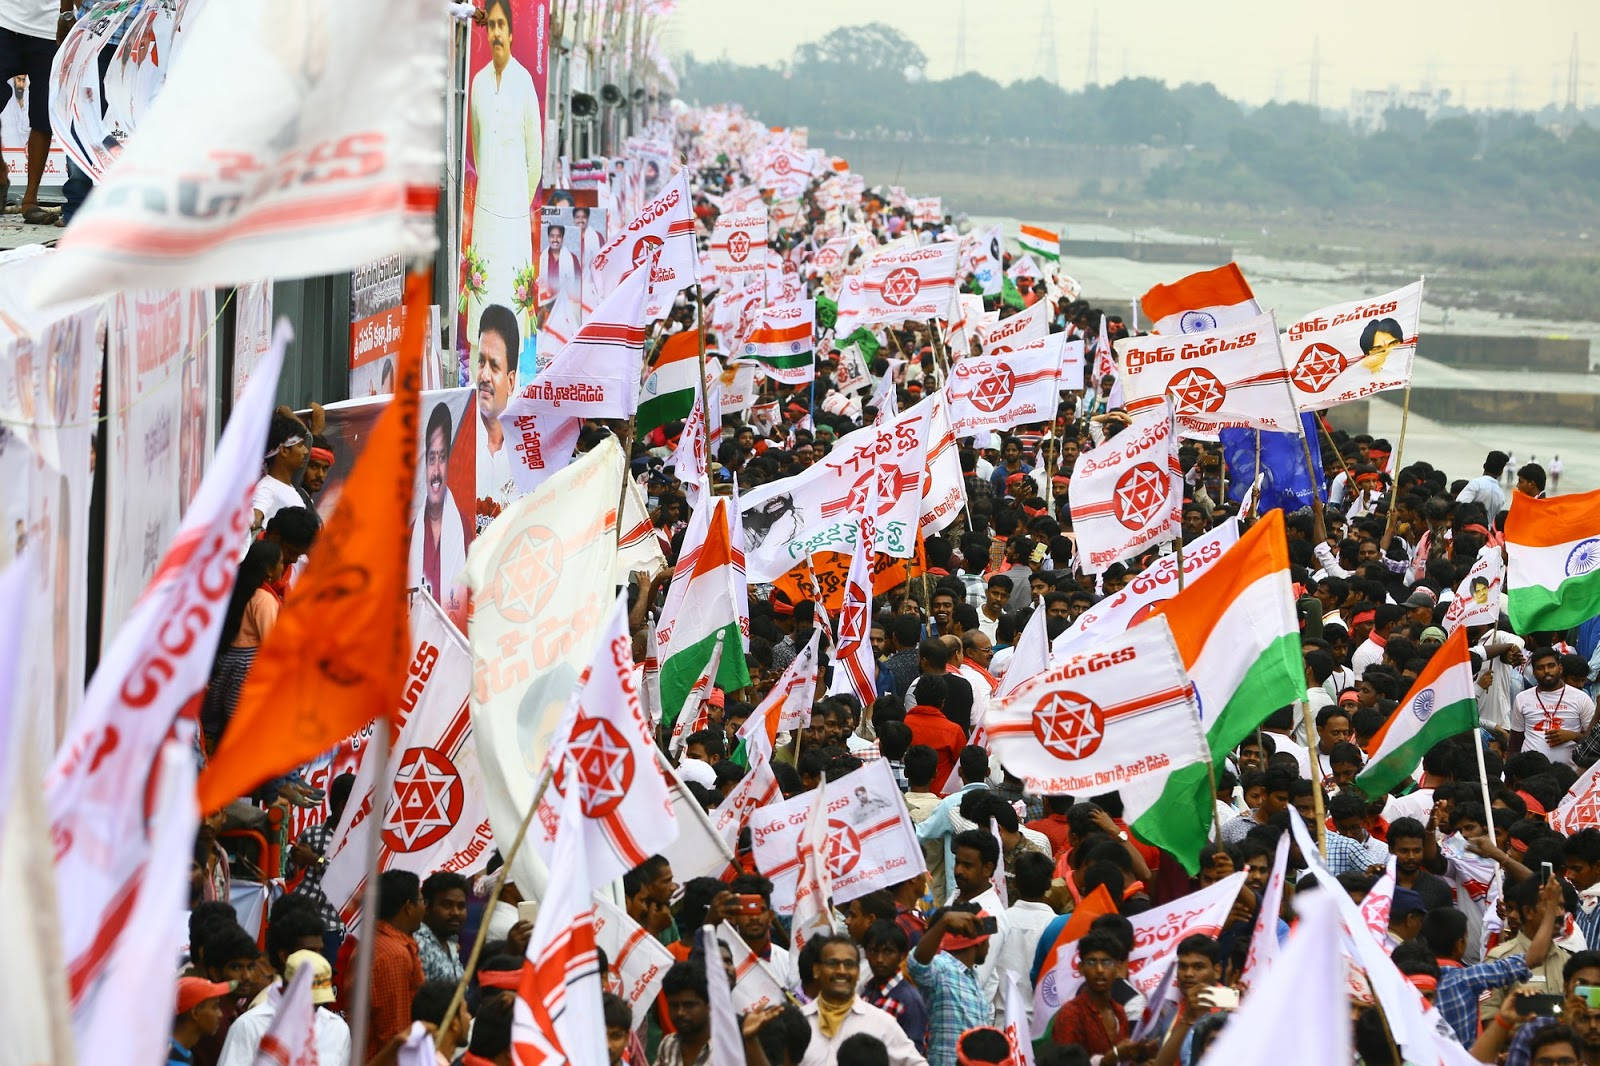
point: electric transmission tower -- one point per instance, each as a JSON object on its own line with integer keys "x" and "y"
{"x": 1045, "y": 63}
{"x": 1092, "y": 75}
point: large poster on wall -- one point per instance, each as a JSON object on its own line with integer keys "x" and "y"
{"x": 48, "y": 366}
{"x": 376, "y": 293}
{"x": 162, "y": 363}
{"x": 507, "y": 70}
{"x": 442, "y": 524}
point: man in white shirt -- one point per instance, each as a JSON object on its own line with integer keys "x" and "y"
{"x": 1370, "y": 652}
{"x": 751, "y": 916}
{"x": 1028, "y": 916}
{"x": 1485, "y": 488}
{"x": 332, "y": 1034}
{"x": 839, "y": 974}
{"x": 498, "y": 345}
{"x": 1552, "y": 716}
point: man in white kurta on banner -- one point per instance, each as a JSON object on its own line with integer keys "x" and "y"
{"x": 506, "y": 154}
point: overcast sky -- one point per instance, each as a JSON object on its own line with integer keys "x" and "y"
{"x": 1488, "y": 51}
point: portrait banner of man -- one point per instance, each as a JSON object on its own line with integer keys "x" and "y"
{"x": 507, "y": 71}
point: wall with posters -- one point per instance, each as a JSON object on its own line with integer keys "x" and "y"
{"x": 161, "y": 362}
{"x": 376, "y": 292}
{"x": 48, "y": 367}
{"x": 503, "y": 156}
{"x": 444, "y": 498}
{"x": 252, "y": 331}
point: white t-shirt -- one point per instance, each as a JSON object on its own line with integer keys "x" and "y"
{"x": 31, "y": 18}
{"x": 1534, "y": 713}
{"x": 272, "y": 495}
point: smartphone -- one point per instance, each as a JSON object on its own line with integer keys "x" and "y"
{"x": 1220, "y": 997}
{"x": 527, "y": 911}
{"x": 988, "y": 925}
{"x": 1541, "y": 1005}
{"x": 1590, "y": 994}
{"x": 1545, "y": 872}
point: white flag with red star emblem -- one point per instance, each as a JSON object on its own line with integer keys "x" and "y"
{"x": 1231, "y": 377}
{"x": 795, "y": 517}
{"x": 1352, "y": 350}
{"x": 899, "y": 284}
{"x": 541, "y": 579}
{"x": 739, "y": 245}
{"x": 854, "y": 666}
{"x": 1120, "y": 715}
{"x": 434, "y": 815}
{"x": 1018, "y": 331}
{"x": 813, "y": 888}
{"x": 604, "y": 739}
{"x": 872, "y": 843}
{"x": 638, "y": 960}
{"x": 754, "y": 985}
{"x": 557, "y": 1015}
{"x": 1127, "y": 494}
{"x": 1580, "y": 807}
{"x": 666, "y": 224}
{"x": 998, "y": 391}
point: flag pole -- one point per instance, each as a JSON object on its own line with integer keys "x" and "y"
{"x": 1311, "y": 469}
{"x": 361, "y": 999}
{"x": 1400, "y": 447}
{"x": 494, "y": 897}
{"x": 1316, "y": 777}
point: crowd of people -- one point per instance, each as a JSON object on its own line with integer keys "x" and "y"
{"x": 1494, "y": 917}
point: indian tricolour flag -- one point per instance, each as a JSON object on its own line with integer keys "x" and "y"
{"x": 782, "y": 343}
{"x": 706, "y": 608}
{"x": 1236, "y": 629}
{"x": 1036, "y": 240}
{"x": 669, "y": 389}
{"x": 1441, "y": 704}
{"x": 1201, "y": 301}
{"x": 1553, "y": 561}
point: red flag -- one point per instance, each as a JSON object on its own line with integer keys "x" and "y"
{"x": 337, "y": 656}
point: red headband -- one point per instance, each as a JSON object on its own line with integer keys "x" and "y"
{"x": 322, "y": 455}
{"x": 506, "y": 980}
{"x": 1364, "y": 616}
{"x": 1473, "y": 527}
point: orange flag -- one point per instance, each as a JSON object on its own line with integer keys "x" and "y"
{"x": 336, "y": 659}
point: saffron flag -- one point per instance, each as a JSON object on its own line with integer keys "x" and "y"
{"x": 1353, "y": 350}
{"x": 275, "y": 150}
{"x": 556, "y": 1016}
{"x": 1036, "y": 240}
{"x": 603, "y": 745}
{"x": 702, "y": 605}
{"x": 1002, "y": 390}
{"x": 1477, "y": 598}
{"x": 1442, "y": 702}
{"x": 665, "y": 228}
{"x": 541, "y": 578}
{"x": 1231, "y": 377}
{"x": 1121, "y": 715}
{"x": 336, "y": 659}
{"x": 1156, "y": 936}
{"x": 1200, "y": 302}
{"x": 1553, "y": 561}
{"x": 149, "y": 679}
{"x": 899, "y": 284}
{"x": 1127, "y": 494}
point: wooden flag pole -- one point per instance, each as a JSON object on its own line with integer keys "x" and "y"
{"x": 1316, "y": 777}
{"x": 1400, "y": 447}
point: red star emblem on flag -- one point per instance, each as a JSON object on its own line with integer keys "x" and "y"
{"x": 1316, "y": 368}
{"x": 781, "y": 164}
{"x": 605, "y": 765}
{"x": 645, "y": 247}
{"x": 738, "y": 245}
{"x": 1139, "y": 495}
{"x": 901, "y": 286}
{"x": 427, "y": 800}
{"x": 527, "y": 574}
{"x": 844, "y": 848}
{"x": 994, "y": 391}
{"x": 1196, "y": 391}
{"x": 1069, "y": 725}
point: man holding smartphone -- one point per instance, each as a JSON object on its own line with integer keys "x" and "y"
{"x": 1513, "y": 1027}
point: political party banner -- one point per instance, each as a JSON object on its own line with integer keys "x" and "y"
{"x": 1477, "y": 598}
{"x": 638, "y": 960}
{"x": 252, "y": 331}
{"x": 443, "y": 503}
{"x": 271, "y": 153}
{"x": 1156, "y": 936}
{"x": 1147, "y": 590}
{"x": 984, "y": 257}
{"x": 944, "y": 488}
{"x": 852, "y": 373}
{"x": 1072, "y": 363}
{"x": 999, "y": 391}
{"x": 927, "y": 211}
{"x": 502, "y": 159}
{"x": 573, "y": 236}
{"x": 830, "y": 570}
{"x": 1231, "y": 377}
{"x": 1353, "y": 350}
{"x": 739, "y": 386}
{"x": 429, "y": 810}
{"x": 793, "y": 518}
{"x": 755, "y": 987}
{"x": 739, "y": 244}
{"x": 1127, "y": 494}
{"x": 376, "y": 291}
{"x": 14, "y": 145}
{"x": 161, "y": 363}
{"x": 49, "y": 362}
{"x": 899, "y": 284}
{"x": 871, "y": 841}
{"x": 785, "y": 170}
{"x": 1018, "y": 331}
{"x": 664, "y": 227}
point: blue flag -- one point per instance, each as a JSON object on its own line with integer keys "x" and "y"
{"x": 1283, "y": 459}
